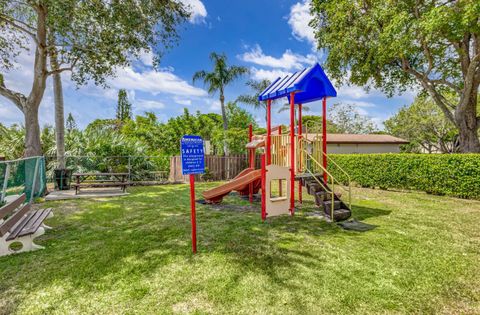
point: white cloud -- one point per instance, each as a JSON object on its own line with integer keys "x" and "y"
{"x": 288, "y": 61}
{"x": 154, "y": 82}
{"x": 131, "y": 95}
{"x": 197, "y": 10}
{"x": 149, "y": 104}
{"x": 299, "y": 19}
{"x": 352, "y": 91}
{"x": 146, "y": 57}
{"x": 182, "y": 101}
{"x": 167, "y": 69}
{"x": 262, "y": 74}
{"x": 8, "y": 112}
{"x": 214, "y": 105}
{"x": 20, "y": 79}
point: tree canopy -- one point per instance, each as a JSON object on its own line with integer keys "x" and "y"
{"x": 424, "y": 125}
{"x": 88, "y": 38}
{"x": 399, "y": 45}
{"x": 347, "y": 119}
{"x": 124, "y": 107}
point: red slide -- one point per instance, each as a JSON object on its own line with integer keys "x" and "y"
{"x": 240, "y": 183}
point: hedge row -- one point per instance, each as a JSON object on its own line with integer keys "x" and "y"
{"x": 456, "y": 175}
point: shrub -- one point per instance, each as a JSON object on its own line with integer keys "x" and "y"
{"x": 456, "y": 175}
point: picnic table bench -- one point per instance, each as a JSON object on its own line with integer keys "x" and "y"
{"x": 83, "y": 180}
{"x": 18, "y": 223}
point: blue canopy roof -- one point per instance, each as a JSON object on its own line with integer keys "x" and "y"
{"x": 310, "y": 84}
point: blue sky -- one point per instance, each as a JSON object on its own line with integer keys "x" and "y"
{"x": 270, "y": 37}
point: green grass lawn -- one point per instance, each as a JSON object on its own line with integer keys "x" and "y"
{"x": 133, "y": 255}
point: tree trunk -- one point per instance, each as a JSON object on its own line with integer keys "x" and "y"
{"x": 33, "y": 146}
{"x": 225, "y": 128}
{"x": 29, "y": 105}
{"x": 467, "y": 123}
{"x": 59, "y": 120}
{"x": 225, "y": 123}
{"x": 59, "y": 114}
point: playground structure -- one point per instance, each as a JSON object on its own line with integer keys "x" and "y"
{"x": 292, "y": 157}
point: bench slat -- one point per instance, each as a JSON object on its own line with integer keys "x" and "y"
{"x": 101, "y": 184}
{"x": 11, "y": 206}
{"x": 31, "y": 225}
{"x": 14, "y": 219}
{"x": 34, "y": 224}
{"x": 15, "y": 230}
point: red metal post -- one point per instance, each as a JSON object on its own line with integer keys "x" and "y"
{"x": 193, "y": 215}
{"x": 280, "y": 182}
{"x": 300, "y": 144}
{"x": 269, "y": 132}
{"x": 250, "y": 133}
{"x": 324, "y": 137}
{"x": 251, "y": 153}
{"x": 292, "y": 153}
{"x": 264, "y": 192}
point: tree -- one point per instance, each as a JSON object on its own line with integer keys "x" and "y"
{"x": 314, "y": 124}
{"x": 424, "y": 125}
{"x": 89, "y": 39}
{"x": 12, "y": 141}
{"x": 124, "y": 107}
{"x": 286, "y": 107}
{"x": 348, "y": 120}
{"x": 257, "y": 87}
{"x": 59, "y": 111}
{"x": 71, "y": 124}
{"x": 109, "y": 125}
{"x": 217, "y": 80}
{"x": 395, "y": 45}
{"x": 146, "y": 129}
{"x": 239, "y": 117}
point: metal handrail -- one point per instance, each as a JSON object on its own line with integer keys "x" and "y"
{"x": 349, "y": 190}
{"x": 348, "y": 177}
{"x": 332, "y": 191}
{"x": 336, "y": 164}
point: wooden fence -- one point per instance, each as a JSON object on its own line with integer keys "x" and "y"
{"x": 219, "y": 167}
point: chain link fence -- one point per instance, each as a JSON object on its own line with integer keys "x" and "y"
{"x": 152, "y": 170}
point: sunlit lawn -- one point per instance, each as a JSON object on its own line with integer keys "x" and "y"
{"x": 132, "y": 255}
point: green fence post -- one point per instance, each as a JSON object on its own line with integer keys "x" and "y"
{"x": 5, "y": 183}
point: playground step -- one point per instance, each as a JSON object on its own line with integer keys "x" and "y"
{"x": 328, "y": 205}
{"x": 322, "y": 196}
{"x": 340, "y": 214}
{"x": 307, "y": 176}
{"x": 314, "y": 187}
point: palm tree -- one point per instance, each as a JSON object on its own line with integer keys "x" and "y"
{"x": 217, "y": 80}
{"x": 286, "y": 107}
{"x": 252, "y": 100}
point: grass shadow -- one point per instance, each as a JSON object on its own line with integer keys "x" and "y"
{"x": 363, "y": 213}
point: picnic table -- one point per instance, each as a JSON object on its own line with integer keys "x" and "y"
{"x": 82, "y": 180}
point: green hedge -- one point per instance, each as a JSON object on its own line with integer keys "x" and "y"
{"x": 456, "y": 175}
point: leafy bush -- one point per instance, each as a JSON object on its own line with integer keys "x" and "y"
{"x": 456, "y": 175}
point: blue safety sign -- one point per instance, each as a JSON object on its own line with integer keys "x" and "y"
{"x": 193, "y": 156}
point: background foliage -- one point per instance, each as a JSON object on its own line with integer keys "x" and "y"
{"x": 456, "y": 175}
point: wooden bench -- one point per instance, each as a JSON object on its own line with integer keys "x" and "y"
{"x": 101, "y": 180}
{"x": 18, "y": 224}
